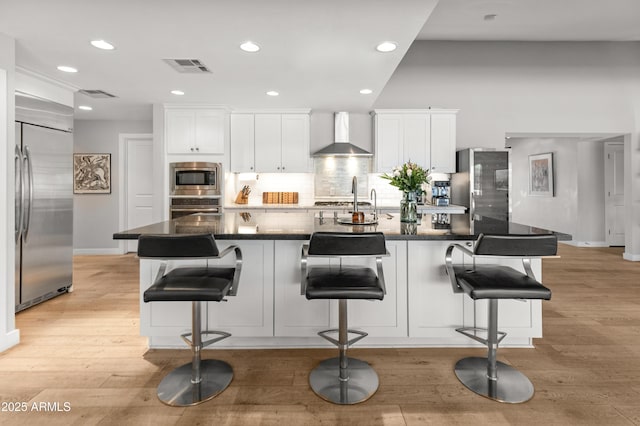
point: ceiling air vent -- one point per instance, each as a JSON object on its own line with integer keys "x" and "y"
{"x": 187, "y": 65}
{"x": 99, "y": 94}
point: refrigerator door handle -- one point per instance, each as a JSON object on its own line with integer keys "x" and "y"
{"x": 19, "y": 220}
{"x": 27, "y": 222}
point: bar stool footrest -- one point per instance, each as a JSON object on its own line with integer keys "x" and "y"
{"x": 324, "y": 335}
{"x": 360, "y": 386}
{"x": 511, "y": 386}
{"x": 466, "y": 331}
{"x": 176, "y": 388}
{"x": 205, "y": 343}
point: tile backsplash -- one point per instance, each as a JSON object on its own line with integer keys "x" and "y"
{"x": 329, "y": 181}
{"x": 333, "y": 176}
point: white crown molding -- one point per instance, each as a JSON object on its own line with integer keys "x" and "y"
{"x": 46, "y": 79}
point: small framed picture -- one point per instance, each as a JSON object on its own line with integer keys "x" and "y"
{"x": 541, "y": 175}
{"x": 92, "y": 173}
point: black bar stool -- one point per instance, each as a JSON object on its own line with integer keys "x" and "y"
{"x": 343, "y": 380}
{"x": 199, "y": 380}
{"x": 487, "y": 376}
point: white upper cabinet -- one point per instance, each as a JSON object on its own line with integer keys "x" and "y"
{"x": 443, "y": 142}
{"x": 270, "y": 142}
{"x": 425, "y": 137}
{"x": 295, "y": 156}
{"x": 242, "y": 143}
{"x": 195, "y": 130}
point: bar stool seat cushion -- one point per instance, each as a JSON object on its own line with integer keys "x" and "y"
{"x": 346, "y": 282}
{"x": 191, "y": 284}
{"x": 499, "y": 282}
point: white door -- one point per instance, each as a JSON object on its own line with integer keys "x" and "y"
{"x": 139, "y": 184}
{"x": 614, "y": 193}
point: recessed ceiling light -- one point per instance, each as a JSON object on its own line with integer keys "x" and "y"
{"x": 101, "y": 44}
{"x": 366, "y": 91}
{"x": 386, "y": 46}
{"x": 490, "y": 17}
{"x": 272, "y": 93}
{"x": 177, "y": 92}
{"x": 85, "y": 108}
{"x": 249, "y": 46}
{"x": 67, "y": 69}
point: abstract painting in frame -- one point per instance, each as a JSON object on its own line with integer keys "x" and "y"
{"x": 91, "y": 173}
{"x": 541, "y": 174}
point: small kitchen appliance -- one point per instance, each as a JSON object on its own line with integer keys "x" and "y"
{"x": 440, "y": 193}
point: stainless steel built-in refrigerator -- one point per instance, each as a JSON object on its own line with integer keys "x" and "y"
{"x": 482, "y": 183}
{"x": 43, "y": 200}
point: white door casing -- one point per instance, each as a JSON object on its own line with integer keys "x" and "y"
{"x": 136, "y": 177}
{"x": 614, "y": 211}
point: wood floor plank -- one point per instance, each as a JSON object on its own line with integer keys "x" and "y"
{"x": 84, "y": 348}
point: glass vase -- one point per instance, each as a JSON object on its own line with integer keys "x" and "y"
{"x": 409, "y": 207}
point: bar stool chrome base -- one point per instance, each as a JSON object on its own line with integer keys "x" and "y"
{"x": 511, "y": 386}
{"x": 177, "y": 390}
{"x": 361, "y": 384}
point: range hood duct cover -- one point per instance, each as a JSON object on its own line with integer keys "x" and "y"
{"x": 342, "y": 146}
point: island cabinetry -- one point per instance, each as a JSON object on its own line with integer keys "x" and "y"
{"x": 520, "y": 319}
{"x": 270, "y": 142}
{"x": 250, "y": 313}
{"x": 434, "y": 309}
{"x": 426, "y": 137}
{"x": 299, "y": 317}
{"x": 195, "y": 130}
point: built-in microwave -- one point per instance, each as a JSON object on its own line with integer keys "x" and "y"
{"x": 195, "y": 178}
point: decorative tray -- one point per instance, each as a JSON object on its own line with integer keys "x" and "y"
{"x": 349, "y": 221}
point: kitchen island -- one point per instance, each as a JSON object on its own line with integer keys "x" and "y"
{"x": 419, "y": 309}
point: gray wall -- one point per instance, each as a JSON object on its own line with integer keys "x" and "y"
{"x": 578, "y": 205}
{"x": 530, "y": 88}
{"x": 95, "y": 216}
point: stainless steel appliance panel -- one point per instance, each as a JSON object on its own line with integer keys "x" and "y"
{"x": 47, "y": 248}
{"x": 481, "y": 183}
{"x": 44, "y": 200}
{"x": 195, "y": 178}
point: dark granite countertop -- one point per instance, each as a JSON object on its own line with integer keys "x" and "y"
{"x": 299, "y": 226}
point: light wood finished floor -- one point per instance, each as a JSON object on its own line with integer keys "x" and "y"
{"x": 83, "y": 348}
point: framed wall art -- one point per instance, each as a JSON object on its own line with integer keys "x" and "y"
{"x": 541, "y": 175}
{"x": 92, "y": 173}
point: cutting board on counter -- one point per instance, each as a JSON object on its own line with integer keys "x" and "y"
{"x": 279, "y": 198}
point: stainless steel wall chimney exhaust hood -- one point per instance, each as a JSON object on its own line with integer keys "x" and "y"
{"x": 342, "y": 146}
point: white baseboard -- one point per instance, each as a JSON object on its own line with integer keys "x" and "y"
{"x": 10, "y": 339}
{"x": 100, "y": 251}
{"x": 631, "y": 257}
{"x": 585, "y": 243}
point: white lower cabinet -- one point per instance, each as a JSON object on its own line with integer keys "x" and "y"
{"x": 294, "y": 314}
{"x": 518, "y": 318}
{"x": 419, "y": 309}
{"x": 250, "y": 312}
{"x": 387, "y": 317}
{"x": 434, "y": 309}
{"x": 297, "y": 316}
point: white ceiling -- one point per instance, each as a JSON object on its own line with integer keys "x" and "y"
{"x": 534, "y": 20}
{"x": 317, "y": 53}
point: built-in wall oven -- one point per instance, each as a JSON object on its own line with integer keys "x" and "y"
{"x": 195, "y": 187}
{"x": 184, "y": 206}
{"x": 195, "y": 178}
